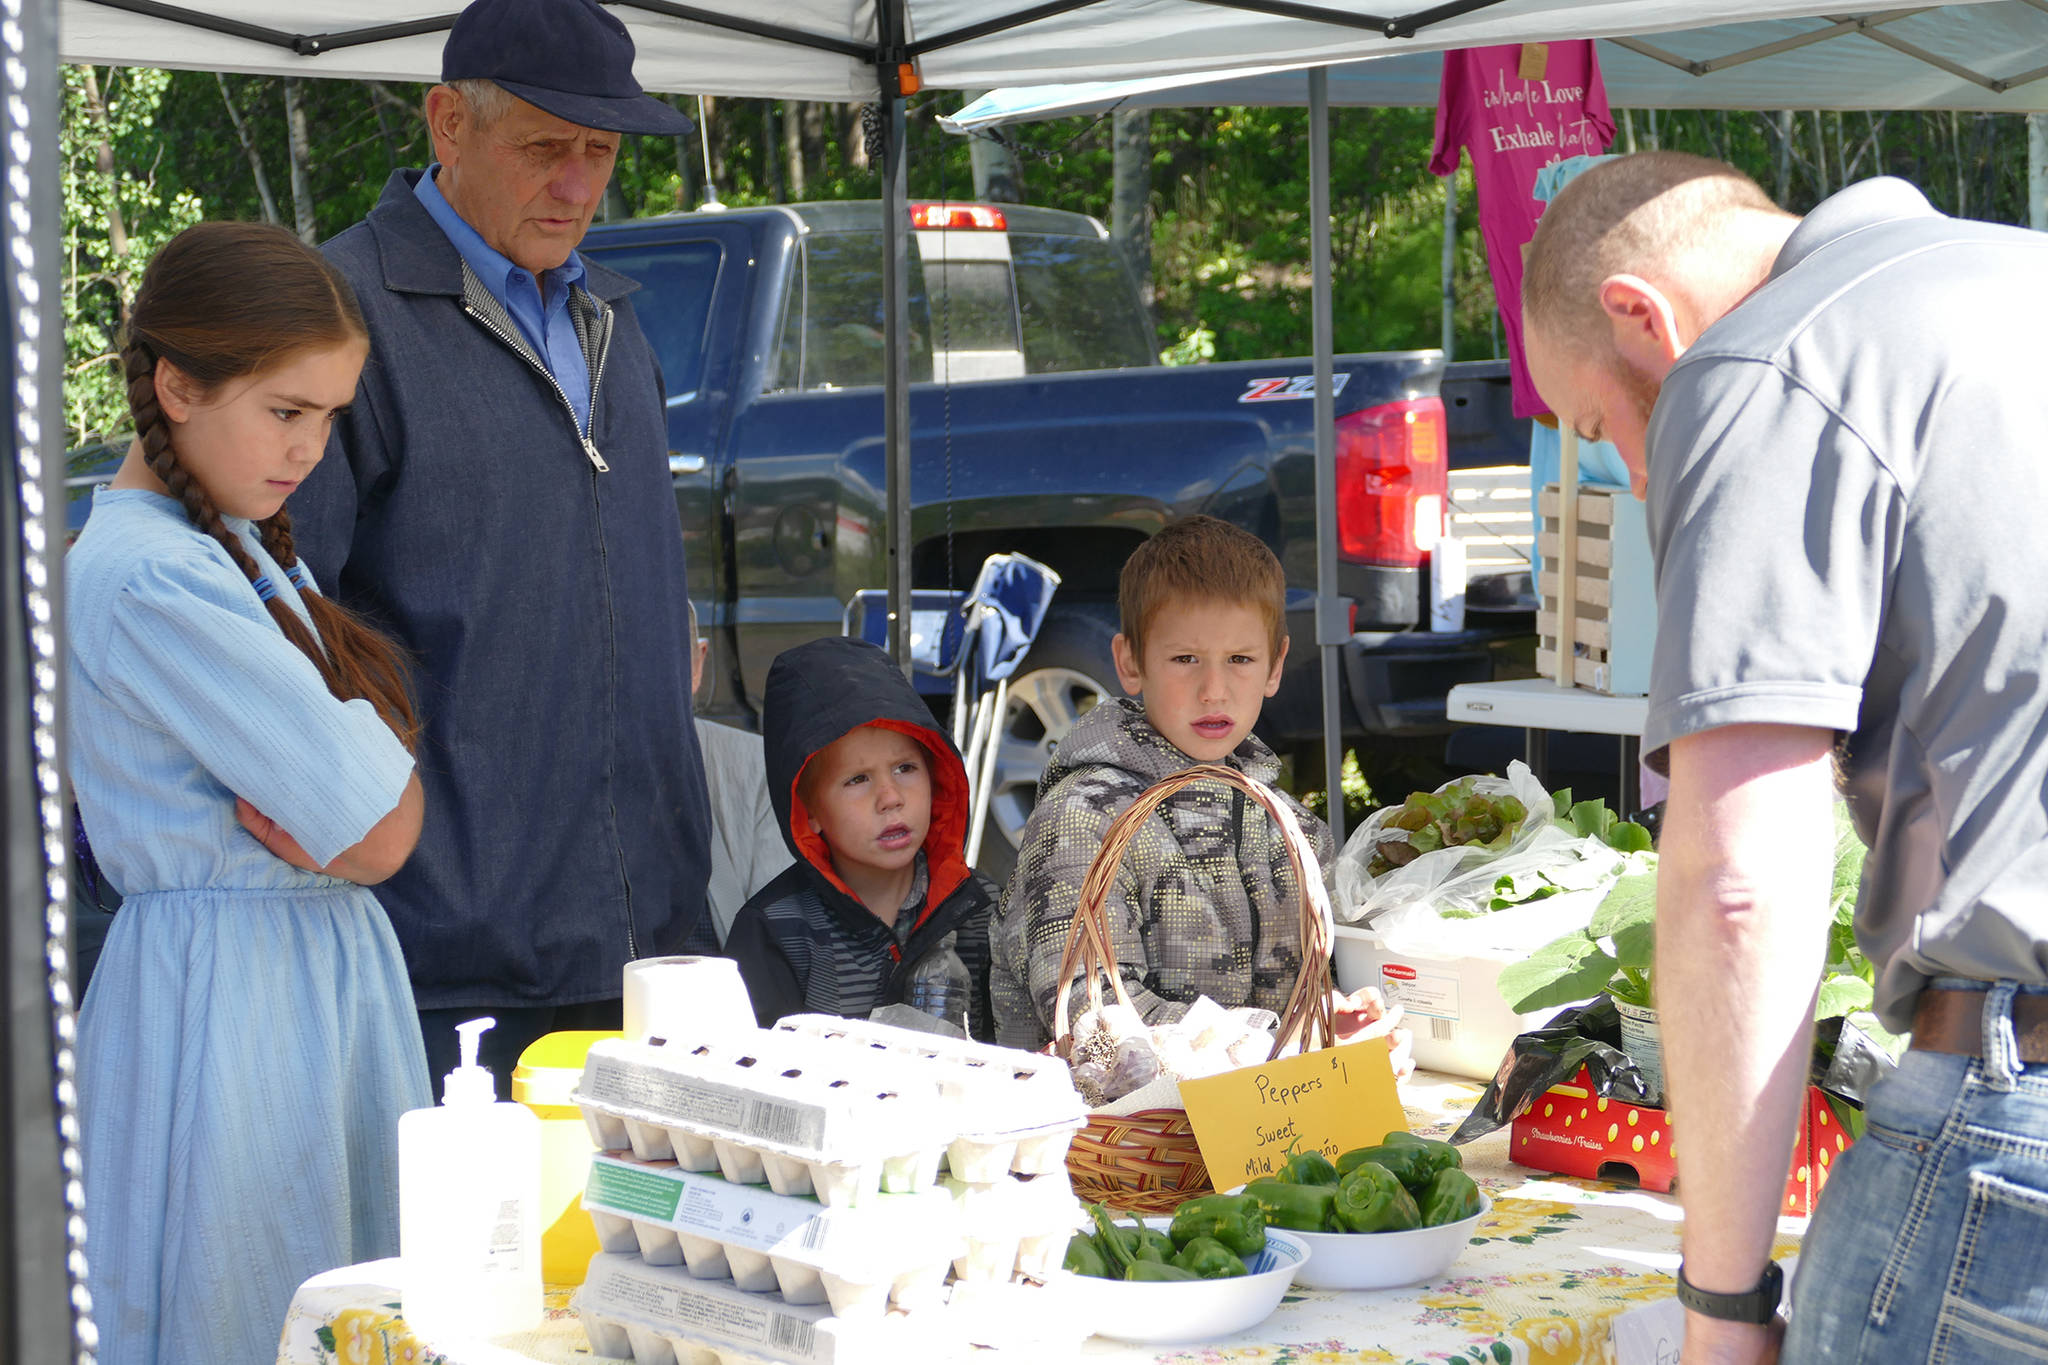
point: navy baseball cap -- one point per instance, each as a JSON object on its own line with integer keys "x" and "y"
{"x": 572, "y": 58}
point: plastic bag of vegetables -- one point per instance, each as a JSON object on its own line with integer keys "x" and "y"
{"x": 1478, "y": 845}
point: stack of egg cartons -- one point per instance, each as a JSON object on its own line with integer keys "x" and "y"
{"x": 854, "y": 1250}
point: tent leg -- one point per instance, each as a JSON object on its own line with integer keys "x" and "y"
{"x": 896, "y": 345}
{"x": 982, "y": 795}
{"x": 1332, "y": 623}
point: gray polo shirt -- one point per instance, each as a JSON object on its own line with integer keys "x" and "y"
{"x": 1848, "y": 507}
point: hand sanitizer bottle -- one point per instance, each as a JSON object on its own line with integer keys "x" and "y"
{"x": 469, "y": 1209}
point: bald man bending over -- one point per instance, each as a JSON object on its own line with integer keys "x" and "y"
{"x": 1840, "y": 427}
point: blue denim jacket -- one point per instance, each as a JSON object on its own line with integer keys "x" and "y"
{"x": 537, "y": 577}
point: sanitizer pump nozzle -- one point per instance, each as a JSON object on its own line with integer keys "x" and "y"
{"x": 470, "y": 1083}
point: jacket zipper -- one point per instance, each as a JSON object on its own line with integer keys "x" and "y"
{"x": 582, "y": 429}
{"x": 598, "y": 466}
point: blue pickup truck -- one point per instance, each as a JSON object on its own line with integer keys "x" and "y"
{"x": 1041, "y": 422}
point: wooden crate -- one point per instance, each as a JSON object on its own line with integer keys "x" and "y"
{"x": 1614, "y": 617}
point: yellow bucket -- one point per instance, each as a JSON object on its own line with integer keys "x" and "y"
{"x": 547, "y": 1074}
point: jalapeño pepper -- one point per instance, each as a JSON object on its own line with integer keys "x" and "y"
{"x": 1450, "y": 1198}
{"x": 1123, "y": 1261}
{"x": 1085, "y": 1258}
{"x": 1410, "y": 1164}
{"x": 1308, "y": 1168}
{"x": 1305, "y": 1208}
{"x": 1236, "y": 1220}
{"x": 1210, "y": 1259}
{"x": 1150, "y": 1244}
{"x": 1371, "y": 1199}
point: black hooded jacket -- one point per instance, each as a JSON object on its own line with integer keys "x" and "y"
{"x": 804, "y": 943}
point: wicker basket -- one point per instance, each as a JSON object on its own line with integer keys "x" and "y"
{"x": 1148, "y": 1162}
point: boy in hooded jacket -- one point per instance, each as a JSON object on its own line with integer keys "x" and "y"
{"x": 872, "y": 799}
{"x": 1203, "y": 903}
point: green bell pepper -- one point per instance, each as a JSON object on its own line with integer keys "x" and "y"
{"x": 1450, "y": 1198}
{"x": 1402, "y": 1137}
{"x": 1124, "y": 1263}
{"x": 1442, "y": 1157}
{"x": 1305, "y": 1208}
{"x": 1308, "y": 1168}
{"x": 1210, "y": 1259}
{"x": 1084, "y": 1257}
{"x": 1236, "y": 1220}
{"x": 1410, "y": 1164}
{"x": 1372, "y": 1199}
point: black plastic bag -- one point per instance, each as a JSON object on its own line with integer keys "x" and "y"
{"x": 1582, "y": 1035}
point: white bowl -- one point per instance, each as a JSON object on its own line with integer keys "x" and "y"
{"x": 1197, "y": 1310}
{"x": 1384, "y": 1260}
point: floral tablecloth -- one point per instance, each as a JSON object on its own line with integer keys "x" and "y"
{"x": 1549, "y": 1271}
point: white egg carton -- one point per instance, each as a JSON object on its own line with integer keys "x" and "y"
{"x": 1022, "y": 1320}
{"x": 660, "y": 1315}
{"x": 890, "y": 1250}
{"x": 1014, "y": 1227}
{"x": 1042, "y": 1151}
{"x": 801, "y": 1114}
{"x": 995, "y": 1089}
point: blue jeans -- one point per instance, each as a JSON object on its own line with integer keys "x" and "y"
{"x": 1931, "y": 1240}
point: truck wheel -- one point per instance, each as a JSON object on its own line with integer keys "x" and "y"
{"x": 1069, "y": 670}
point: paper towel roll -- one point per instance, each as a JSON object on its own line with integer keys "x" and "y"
{"x": 685, "y": 998}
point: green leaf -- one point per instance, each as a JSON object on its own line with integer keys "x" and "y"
{"x": 325, "y": 1336}
{"x": 1591, "y": 818}
{"x": 1842, "y": 994}
{"x": 1628, "y": 837}
{"x": 1632, "y": 901}
{"x": 1561, "y": 803}
{"x": 1570, "y": 968}
{"x": 1502, "y": 1355}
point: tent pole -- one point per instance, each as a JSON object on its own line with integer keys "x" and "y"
{"x": 895, "y": 330}
{"x": 1333, "y": 628}
{"x": 38, "y": 1134}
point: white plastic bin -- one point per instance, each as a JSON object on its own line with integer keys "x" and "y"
{"x": 1460, "y": 1024}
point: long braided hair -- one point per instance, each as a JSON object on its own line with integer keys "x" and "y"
{"x": 222, "y": 301}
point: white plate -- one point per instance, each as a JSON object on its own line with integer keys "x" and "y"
{"x": 1384, "y": 1260}
{"x": 1197, "y": 1310}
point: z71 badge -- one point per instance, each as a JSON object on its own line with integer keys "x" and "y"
{"x": 1281, "y": 390}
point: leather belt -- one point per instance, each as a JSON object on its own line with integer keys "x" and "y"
{"x": 1953, "y": 1022}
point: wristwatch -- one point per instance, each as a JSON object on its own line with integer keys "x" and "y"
{"x": 1758, "y": 1305}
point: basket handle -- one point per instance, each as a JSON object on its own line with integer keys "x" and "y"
{"x": 1089, "y": 944}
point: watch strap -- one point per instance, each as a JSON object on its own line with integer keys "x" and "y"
{"x": 1757, "y": 1306}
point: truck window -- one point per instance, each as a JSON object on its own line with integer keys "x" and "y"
{"x": 842, "y": 325}
{"x": 1077, "y": 305}
{"x": 680, "y": 275}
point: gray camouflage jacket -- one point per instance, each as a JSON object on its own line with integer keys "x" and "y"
{"x": 1195, "y": 910}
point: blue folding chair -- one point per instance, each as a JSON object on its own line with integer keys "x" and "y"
{"x": 978, "y": 639}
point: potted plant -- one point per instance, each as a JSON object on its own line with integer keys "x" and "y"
{"x": 1616, "y": 953}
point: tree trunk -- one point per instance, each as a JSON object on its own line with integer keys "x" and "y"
{"x": 814, "y": 135}
{"x": 1130, "y": 204}
{"x": 1650, "y": 123}
{"x": 117, "y": 228}
{"x": 1784, "y": 157}
{"x": 853, "y": 142}
{"x": 771, "y": 155}
{"x": 249, "y": 150}
{"x": 793, "y": 147}
{"x": 302, "y": 185}
{"x": 1820, "y": 159}
{"x": 714, "y": 148}
{"x": 1628, "y": 133}
{"x": 686, "y": 161}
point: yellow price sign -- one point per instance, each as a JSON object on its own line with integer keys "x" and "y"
{"x": 1251, "y": 1120}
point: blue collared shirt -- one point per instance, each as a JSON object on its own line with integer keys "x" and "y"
{"x": 540, "y": 307}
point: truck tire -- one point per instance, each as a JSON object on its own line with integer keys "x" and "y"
{"x": 1069, "y": 670}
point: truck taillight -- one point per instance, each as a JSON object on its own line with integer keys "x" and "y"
{"x": 958, "y": 216}
{"x": 1392, "y": 481}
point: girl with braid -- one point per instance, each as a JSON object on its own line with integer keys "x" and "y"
{"x": 240, "y": 750}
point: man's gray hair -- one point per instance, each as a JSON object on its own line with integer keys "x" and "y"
{"x": 487, "y": 100}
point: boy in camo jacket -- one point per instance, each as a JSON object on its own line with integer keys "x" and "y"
{"x": 1203, "y": 903}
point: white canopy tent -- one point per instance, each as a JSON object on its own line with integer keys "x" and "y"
{"x": 1986, "y": 57}
{"x": 833, "y": 49}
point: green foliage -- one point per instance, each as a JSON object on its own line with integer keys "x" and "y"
{"x": 1229, "y": 193}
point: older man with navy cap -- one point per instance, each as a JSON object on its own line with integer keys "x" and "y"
{"x": 499, "y": 496}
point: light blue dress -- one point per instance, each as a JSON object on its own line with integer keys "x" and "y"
{"x": 249, "y": 1039}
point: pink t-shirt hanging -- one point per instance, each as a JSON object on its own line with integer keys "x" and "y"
{"x": 1514, "y": 127}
